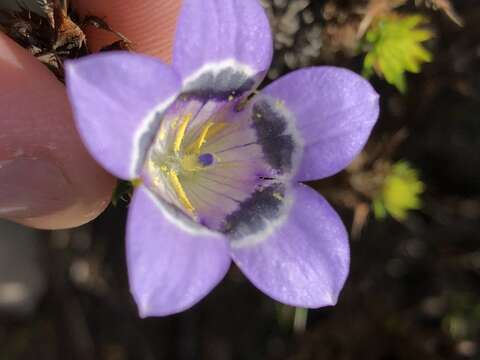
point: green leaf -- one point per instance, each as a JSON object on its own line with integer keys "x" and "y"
{"x": 394, "y": 47}
{"x": 400, "y": 192}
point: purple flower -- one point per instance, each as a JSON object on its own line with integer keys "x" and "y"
{"x": 221, "y": 165}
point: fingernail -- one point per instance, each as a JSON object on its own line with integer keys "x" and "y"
{"x": 32, "y": 187}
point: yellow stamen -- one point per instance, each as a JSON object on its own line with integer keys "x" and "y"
{"x": 197, "y": 145}
{"x": 181, "y": 132}
{"x": 178, "y": 187}
{"x": 209, "y": 130}
{"x": 215, "y": 129}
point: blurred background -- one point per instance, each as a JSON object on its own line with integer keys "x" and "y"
{"x": 411, "y": 201}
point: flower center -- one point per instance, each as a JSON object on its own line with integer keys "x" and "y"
{"x": 221, "y": 166}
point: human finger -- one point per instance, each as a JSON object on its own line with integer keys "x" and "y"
{"x": 47, "y": 178}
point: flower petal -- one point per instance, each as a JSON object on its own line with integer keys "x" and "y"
{"x": 335, "y": 111}
{"x": 227, "y": 39}
{"x": 117, "y": 99}
{"x": 305, "y": 260}
{"x": 172, "y": 262}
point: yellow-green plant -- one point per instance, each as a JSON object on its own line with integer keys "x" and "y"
{"x": 394, "y": 46}
{"x": 399, "y": 193}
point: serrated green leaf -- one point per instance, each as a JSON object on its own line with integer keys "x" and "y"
{"x": 395, "y": 47}
{"x": 400, "y": 192}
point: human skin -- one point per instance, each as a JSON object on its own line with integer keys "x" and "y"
{"x": 47, "y": 178}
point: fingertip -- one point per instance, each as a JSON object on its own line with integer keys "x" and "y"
{"x": 76, "y": 215}
{"x": 148, "y": 24}
{"x": 47, "y": 178}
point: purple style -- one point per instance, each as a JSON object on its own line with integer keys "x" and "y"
{"x": 220, "y": 166}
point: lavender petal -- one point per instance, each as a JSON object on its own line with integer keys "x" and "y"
{"x": 116, "y": 99}
{"x": 335, "y": 111}
{"x": 305, "y": 260}
{"x": 228, "y": 34}
{"x": 172, "y": 264}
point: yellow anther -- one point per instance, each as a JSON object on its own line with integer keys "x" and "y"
{"x": 197, "y": 145}
{"x": 209, "y": 130}
{"x": 181, "y": 132}
{"x": 214, "y": 130}
{"x": 178, "y": 187}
